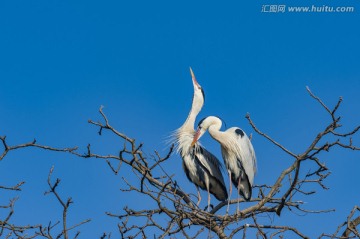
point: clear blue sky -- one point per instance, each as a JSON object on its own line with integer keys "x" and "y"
{"x": 61, "y": 60}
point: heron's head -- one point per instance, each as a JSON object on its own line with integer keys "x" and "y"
{"x": 204, "y": 124}
{"x": 199, "y": 132}
{"x": 199, "y": 95}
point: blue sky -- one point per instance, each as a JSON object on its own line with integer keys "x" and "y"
{"x": 61, "y": 60}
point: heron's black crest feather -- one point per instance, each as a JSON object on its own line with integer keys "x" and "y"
{"x": 223, "y": 121}
{"x": 240, "y": 132}
{"x": 203, "y": 93}
{"x": 200, "y": 122}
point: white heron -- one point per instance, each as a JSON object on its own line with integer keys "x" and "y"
{"x": 201, "y": 167}
{"x": 237, "y": 152}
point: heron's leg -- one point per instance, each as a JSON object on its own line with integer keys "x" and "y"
{"x": 199, "y": 196}
{"x": 208, "y": 209}
{"x": 230, "y": 191}
{"x": 238, "y": 201}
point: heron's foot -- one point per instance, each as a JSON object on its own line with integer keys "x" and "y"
{"x": 226, "y": 216}
{"x": 196, "y": 206}
{"x": 238, "y": 214}
{"x": 198, "y": 196}
{"x": 228, "y": 207}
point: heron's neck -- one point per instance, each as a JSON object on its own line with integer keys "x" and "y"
{"x": 214, "y": 131}
{"x": 195, "y": 109}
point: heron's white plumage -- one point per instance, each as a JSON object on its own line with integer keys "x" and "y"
{"x": 237, "y": 151}
{"x": 201, "y": 167}
{"x": 241, "y": 149}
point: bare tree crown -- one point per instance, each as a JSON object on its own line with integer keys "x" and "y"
{"x": 180, "y": 216}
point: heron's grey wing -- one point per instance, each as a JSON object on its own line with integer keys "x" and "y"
{"x": 213, "y": 167}
{"x": 247, "y": 153}
{"x": 194, "y": 172}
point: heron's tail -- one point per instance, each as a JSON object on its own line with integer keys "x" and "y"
{"x": 244, "y": 186}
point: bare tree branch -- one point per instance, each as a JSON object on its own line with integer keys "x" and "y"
{"x": 65, "y": 205}
{"x": 33, "y": 143}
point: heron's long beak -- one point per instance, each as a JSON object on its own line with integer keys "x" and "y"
{"x": 193, "y": 78}
{"x": 196, "y": 137}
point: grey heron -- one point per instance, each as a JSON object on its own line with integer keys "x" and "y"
{"x": 237, "y": 152}
{"x": 201, "y": 167}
